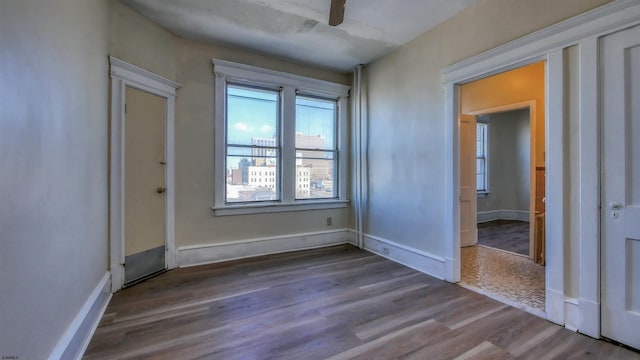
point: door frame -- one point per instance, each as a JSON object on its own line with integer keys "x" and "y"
{"x": 125, "y": 75}
{"x": 548, "y": 44}
{"x": 531, "y": 105}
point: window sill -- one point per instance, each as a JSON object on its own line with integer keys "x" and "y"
{"x": 276, "y": 208}
{"x": 482, "y": 194}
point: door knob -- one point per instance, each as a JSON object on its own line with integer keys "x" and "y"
{"x": 615, "y": 206}
{"x": 160, "y": 190}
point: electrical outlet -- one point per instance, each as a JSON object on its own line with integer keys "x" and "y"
{"x": 385, "y": 250}
{"x": 329, "y": 221}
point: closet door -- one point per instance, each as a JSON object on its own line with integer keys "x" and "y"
{"x": 620, "y": 54}
{"x": 145, "y": 185}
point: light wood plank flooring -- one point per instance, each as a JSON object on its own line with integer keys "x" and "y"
{"x": 335, "y": 303}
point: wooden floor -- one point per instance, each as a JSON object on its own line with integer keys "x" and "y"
{"x": 336, "y": 303}
{"x": 508, "y": 235}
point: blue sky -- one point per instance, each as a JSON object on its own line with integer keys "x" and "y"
{"x": 253, "y": 113}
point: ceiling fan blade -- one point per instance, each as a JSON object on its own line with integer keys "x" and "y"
{"x": 336, "y": 14}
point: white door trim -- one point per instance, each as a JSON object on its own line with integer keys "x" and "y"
{"x": 589, "y": 188}
{"x": 124, "y": 74}
{"x": 555, "y": 189}
{"x": 546, "y": 44}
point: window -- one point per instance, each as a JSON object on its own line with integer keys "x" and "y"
{"x": 252, "y": 144}
{"x": 481, "y": 157}
{"x": 280, "y": 141}
{"x": 316, "y": 151}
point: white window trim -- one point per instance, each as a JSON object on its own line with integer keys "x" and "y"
{"x": 226, "y": 71}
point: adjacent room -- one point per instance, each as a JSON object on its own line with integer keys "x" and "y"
{"x": 297, "y": 179}
{"x": 502, "y": 145}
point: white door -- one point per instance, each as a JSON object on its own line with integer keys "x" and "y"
{"x": 144, "y": 185}
{"x": 620, "y": 53}
{"x": 468, "y": 192}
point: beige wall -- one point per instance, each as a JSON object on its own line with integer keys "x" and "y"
{"x": 53, "y": 161}
{"x": 523, "y": 84}
{"x": 406, "y": 114}
{"x": 195, "y": 223}
{"x": 138, "y": 41}
{"x": 189, "y": 63}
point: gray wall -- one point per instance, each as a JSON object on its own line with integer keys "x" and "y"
{"x": 509, "y": 162}
{"x": 406, "y": 114}
{"x": 53, "y": 167}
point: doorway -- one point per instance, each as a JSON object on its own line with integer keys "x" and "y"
{"x": 500, "y": 260}
{"x": 503, "y": 157}
{"x": 141, "y": 203}
{"x": 574, "y": 55}
{"x": 502, "y": 173}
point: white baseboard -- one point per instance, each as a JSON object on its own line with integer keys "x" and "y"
{"x": 75, "y": 339}
{"x": 590, "y": 316}
{"x": 555, "y": 306}
{"x": 571, "y": 314}
{"x": 485, "y": 216}
{"x": 416, "y": 259}
{"x": 233, "y": 250}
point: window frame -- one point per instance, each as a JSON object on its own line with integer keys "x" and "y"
{"x": 335, "y": 149}
{"x": 277, "y": 148}
{"x": 486, "y": 190}
{"x": 290, "y": 86}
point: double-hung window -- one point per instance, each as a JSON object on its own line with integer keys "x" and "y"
{"x": 316, "y": 150}
{"x": 482, "y": 185}
{"x": 252, "y": 144}
{"x": 280, "y": 141}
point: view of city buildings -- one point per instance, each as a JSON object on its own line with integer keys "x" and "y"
{"x": 254, "y": 162}
{"x": 255, "y": 177}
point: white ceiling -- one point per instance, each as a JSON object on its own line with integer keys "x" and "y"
{"x": 298, "y": 29}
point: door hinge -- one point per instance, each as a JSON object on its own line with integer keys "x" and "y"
{"x": 125, "y": 108}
